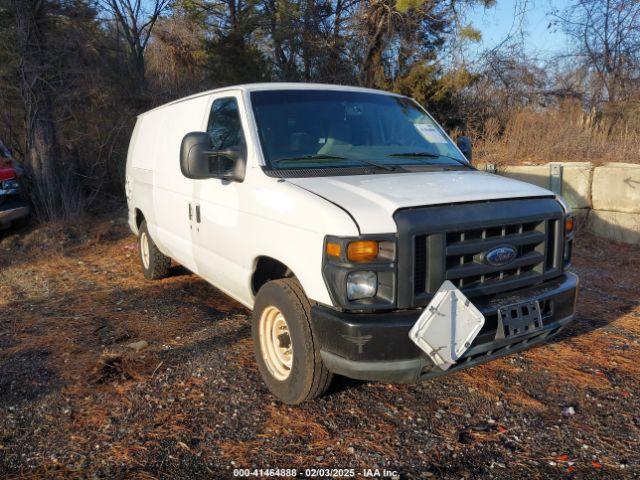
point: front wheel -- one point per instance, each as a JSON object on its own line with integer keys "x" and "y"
{"x": 287, "y": 353}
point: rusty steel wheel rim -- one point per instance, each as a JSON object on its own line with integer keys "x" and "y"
{"x": 144, "y": 249}
{"x": 275, "y": 343}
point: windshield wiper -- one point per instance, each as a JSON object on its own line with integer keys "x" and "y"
{"x": 427, "y": 154}
{"x": 311, "y": 156}
{"x": 322, "y": 156}
{"x": 415, "y": 154}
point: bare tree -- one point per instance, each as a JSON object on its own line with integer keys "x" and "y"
{"x": 136, "y": 19}
{"x": 607, "y": 38}
{"x": 42, "y": 152}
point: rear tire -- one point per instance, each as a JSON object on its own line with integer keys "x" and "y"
{"x": 154, "y": 263}
{"x": 287, "y": 353}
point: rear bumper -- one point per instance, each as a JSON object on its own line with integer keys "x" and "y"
{"x": 377, "y": 346}
{"x": 13, "y": 210}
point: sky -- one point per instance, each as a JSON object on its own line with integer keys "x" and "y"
{"x": 506, "y": 17}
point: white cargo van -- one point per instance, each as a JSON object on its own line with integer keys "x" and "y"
{"x": 358, "y": 233}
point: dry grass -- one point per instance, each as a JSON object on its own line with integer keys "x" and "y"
{"x": 565, "y": 133}
{"x": 76, "y": 401}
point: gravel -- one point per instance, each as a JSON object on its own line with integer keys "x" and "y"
{"x": 78, "y": 400}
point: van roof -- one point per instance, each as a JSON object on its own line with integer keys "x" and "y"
{"x": 255, "y": 87}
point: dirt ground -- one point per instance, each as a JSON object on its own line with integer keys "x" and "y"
{"x": 77, "y": 401}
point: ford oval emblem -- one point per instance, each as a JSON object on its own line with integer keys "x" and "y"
{"x": 500, "y": 255}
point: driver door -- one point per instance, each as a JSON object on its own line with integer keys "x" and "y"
{"x": 218, "y": 236}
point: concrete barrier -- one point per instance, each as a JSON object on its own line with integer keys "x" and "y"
{"x": 576, "y": 179}
{"x": 618, "y": 226}
{"x": 605, "y": 198}
{"x": 616, "y": 187}
{"x": 576, "y": 183}
{"x": 535, "y": 174}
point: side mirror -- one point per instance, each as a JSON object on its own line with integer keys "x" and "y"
{"x": 230, "y": 164}
{"x": 198, "y": 161}
{"x": 464, "y": 144}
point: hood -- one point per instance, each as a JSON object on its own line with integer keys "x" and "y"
{"x": 373, "y": 199}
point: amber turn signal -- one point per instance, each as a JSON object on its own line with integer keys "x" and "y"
{"x": 568, "y": 225}
{"x": 333, "y": 249}
{"x": 362, "y": 251}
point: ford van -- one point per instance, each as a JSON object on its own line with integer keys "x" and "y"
{"x": 359, "y": 234}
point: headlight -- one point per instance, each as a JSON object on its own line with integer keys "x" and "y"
{"x": 361, "y": 285}
{"x": 568, "y": 246}
{"x": 360, "y": 272}
{"x": 12, "y": 184}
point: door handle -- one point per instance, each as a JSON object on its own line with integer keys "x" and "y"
{"x": 198, "y": 213}
{"x": 190, "y": 213}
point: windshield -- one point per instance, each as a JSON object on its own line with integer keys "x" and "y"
{"x": 324, "y": 128}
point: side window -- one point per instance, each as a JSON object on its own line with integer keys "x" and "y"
{"x": 224, "y": 125}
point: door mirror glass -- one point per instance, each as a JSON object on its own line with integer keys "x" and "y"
{"x": 464, "y": 144}
{"x": 199, "y": 161}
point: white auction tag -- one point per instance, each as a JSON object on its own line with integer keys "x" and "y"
{"x": 448, "y": 326}
{"x": 430, "y": 133}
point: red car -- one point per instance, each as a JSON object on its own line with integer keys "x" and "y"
{"x": 12, "y": 206}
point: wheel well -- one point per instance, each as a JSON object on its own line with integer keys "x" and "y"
{"x": 139, "y": 218}
{"x": 267, "y": 269}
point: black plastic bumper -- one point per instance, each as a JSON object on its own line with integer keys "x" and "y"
{"x": 377, "y": 346}
{"x": 13, "y": 209}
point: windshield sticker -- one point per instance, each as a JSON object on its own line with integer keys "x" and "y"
{"x": 430, "y": 133}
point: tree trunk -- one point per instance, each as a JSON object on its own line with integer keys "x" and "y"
{"x": 141, "y": 69}
{"x": 42, "y": 150}
{"x": 371, "y": 62}
{"x": 309, "y": 37}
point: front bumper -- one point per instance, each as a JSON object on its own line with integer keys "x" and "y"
{"x": 377, "y": 346}
{"x": 13, "y": 209}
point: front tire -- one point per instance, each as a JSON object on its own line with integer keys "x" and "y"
{"x": 154, "y": 263}
{"x": 287, "y": 353}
